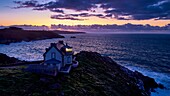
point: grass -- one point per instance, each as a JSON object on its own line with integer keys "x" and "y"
{"x": 91, "y": 78}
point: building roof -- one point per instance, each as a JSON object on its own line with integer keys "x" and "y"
{"x": 62, "y": 50}
{"x": 51, "y": 46}
{"x": 66, "y": 46}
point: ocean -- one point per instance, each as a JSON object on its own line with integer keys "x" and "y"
{"x": 146, "y": 53}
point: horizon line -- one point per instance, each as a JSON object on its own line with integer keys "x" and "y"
{"x": 81, "y": 25}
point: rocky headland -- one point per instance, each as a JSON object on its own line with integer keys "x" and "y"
{"x": 14, "y": 34}
{"x": 6, "y": 61}
{"x": 96, "y": 75}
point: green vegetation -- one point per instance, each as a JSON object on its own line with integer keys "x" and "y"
{"x": 95, "y": 76}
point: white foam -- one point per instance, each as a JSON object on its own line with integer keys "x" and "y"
{"x": 159, "y": 78}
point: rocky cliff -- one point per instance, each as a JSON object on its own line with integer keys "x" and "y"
{"x": 112, "y": 79}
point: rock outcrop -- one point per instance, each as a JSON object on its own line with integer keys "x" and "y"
{"x": 116, "y": 78}
{"x": 5, "y": 60}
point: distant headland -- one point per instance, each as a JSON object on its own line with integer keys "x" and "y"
{"x": 16, "y": 34}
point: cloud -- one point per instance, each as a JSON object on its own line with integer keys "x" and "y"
{"x": 27, "y": 4}
{"x": 108, "y": 15}
{"x": 76, "y": 16}
{"x": 36, "y": 6}
{"x": 131, "y": 9}
{"x": 87, "y": 15}
{"x": 159, "y": 3}
{"x": 139, "y": 9}
{"x": 78, "y": 5}
{"x": 57, "y": 10}
{"x": 62, "y": 17}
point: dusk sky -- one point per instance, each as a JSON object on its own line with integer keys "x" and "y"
{"x": 84, "y": 12}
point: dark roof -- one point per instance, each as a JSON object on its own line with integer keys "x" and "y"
{"x": 61, "y": 50}
{"x": 66, "y": 46}
{"x": 61, "y": 42}
{"x": 52, "y": 61}
{"x": 51, "y": 46}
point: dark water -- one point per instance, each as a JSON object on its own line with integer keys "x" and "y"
{"x": 147, "y": 53}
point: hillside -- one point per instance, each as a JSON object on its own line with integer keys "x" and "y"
{"x": 95, "y": 76}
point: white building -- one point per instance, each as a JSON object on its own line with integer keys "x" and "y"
{"x": 59, "y": 55}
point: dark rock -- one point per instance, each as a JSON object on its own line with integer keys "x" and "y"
{"x": 149, "y": 83}
{"x": 14, "y": 34}
{"x": 143, "y": 85}
{"x": 13, "y": 28}
{"x": 11, "y": 61}
{"x": 161, "y": 86}
{"x": 55, "y": 86}
{"x": 61, "y": 93}
{"x": 44, "y": 80}
{"x": 73, "y": 37}
{"x": 5, "y": 60}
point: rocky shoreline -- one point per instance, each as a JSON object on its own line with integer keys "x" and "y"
{"x": 95, "y": 75}
{"x": 6, "y": 61}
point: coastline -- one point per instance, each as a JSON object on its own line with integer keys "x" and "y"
{"x": 14, "y": 34}
{"x": 98, "y": 68}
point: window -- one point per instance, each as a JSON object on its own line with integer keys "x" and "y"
{"x": 53, "y": 55}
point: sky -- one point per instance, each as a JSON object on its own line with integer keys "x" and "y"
{"x": 84, "y": 12}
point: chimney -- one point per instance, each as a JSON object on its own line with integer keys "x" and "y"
{"x": 53, "y": 44}
{"x": 61, "y": 42}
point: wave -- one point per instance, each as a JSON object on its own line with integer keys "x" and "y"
{"x": 161, "y": 78}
